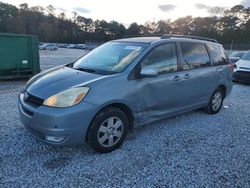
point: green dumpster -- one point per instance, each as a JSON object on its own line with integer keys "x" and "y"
{"x": 19, "y": 56}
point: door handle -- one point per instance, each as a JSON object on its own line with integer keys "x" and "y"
{"x": 186, "y": 76}
{"x": 177, "y": 78}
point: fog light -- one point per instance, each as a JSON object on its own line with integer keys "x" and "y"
{"x": 55, "y": 138}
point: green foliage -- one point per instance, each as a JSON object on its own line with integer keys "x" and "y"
{"x": 234, "y": 24}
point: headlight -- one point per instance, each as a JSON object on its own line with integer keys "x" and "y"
{"x": 67, "y": 98}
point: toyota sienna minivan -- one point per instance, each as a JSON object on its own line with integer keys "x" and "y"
{"x": 125, "y": 83}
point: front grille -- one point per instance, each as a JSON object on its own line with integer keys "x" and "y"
{"x": 242, "y": 76}
{"x": 34, "y": 132}
{"x": 33, "y": 100}
{"x": 246, "y": 68}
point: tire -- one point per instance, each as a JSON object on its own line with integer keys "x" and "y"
{"x": 215, "y": 102}
{"x": 108, "y": 130}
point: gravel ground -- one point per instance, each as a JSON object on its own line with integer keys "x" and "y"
{"x": 191, "y": 150}
{"x": 51, "y": 59}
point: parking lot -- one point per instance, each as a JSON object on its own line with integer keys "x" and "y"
{"x": 190, "y": 150}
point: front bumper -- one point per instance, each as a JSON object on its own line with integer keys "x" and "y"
{"x": 57, "y": 126}
{"x": 241, "y": 76}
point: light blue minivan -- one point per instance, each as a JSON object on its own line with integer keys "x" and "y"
{"x": 125, "y": 83}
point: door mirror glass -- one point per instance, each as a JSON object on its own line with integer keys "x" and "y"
{"x": 148, "y": 72}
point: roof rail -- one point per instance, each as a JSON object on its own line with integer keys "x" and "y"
{"x": 144, "y": 35}
{"x": 189, "y": 37}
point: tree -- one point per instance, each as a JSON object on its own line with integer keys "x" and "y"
{"x": 233, "y": 24}
{"x": 181, "y": 26}
{"x": 9, "y": 19}
{"x": 24, "y": 6}
{"x": 51, "y": 10}
{"x": 164, "y": 27}
{"x": 134, "y": 30}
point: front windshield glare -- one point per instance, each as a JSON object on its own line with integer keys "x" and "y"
{"x": 111, "y": 57}
{"x": 246, "y": 56}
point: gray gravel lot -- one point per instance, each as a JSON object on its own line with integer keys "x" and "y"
{"x": 191, "y": 150}
{"x": 51, "y": 59}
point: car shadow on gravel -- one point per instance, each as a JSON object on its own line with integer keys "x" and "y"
{"x": 56, "y": 162}
{"x": 241, "y": 84}
{"x": 59, "y": 157}
{"x": 49, "y": 157}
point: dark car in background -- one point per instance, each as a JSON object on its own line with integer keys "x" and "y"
{"x": 80, "y": 46}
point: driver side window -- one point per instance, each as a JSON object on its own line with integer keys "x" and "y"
{"x": 163, "y": 58}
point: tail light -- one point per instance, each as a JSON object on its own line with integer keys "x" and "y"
{"x": 232, "y": 67}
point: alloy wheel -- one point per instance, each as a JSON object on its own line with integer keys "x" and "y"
{"x": 110, "y": 132}
{"x": 216, "y": 101}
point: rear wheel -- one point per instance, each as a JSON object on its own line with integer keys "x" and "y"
{"x": 215, "y": 102}
{"x": 108, "y": 130}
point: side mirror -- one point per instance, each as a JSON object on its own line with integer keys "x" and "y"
{"x": 148, "y": 72}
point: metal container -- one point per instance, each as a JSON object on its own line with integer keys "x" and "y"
{"x": 19, "y": 56}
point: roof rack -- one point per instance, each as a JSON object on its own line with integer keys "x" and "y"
{"x": 144, "y": 35}
{"x": 189, "y": 37}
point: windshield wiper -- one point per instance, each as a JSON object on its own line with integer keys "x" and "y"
{"x": 85, "y": 69}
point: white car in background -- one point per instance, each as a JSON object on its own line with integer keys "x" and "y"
{"x": 72, "y": 46}
{"x": 242, "y": 69}
{"x": 51, "y": 47}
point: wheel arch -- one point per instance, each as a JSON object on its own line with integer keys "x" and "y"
{"x": 124, "y": 107}
{"x": 224, "y": 89}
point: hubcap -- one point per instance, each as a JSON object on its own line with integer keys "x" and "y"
{"x": 110, "y": 132}
{"x": 216, "y": 101}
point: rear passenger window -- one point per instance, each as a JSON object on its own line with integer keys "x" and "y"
{"x": 218, "y": 55}
{"x": 163, "y": 58}
{"x": 194, "y": 56}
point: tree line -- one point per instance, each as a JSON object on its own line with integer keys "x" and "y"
{"x": 232, "y": 25}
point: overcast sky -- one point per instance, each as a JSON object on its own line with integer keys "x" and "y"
{"x": 140, "y": 11}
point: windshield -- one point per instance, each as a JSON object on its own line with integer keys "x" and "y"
{"x": 111, "y": 57}
{"x": 246, "y": 56}
{"x": 237, "y": 54}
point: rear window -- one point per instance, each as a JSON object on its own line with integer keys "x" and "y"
{"x": 194, "y": 55}
{"x": 218, "y": 55}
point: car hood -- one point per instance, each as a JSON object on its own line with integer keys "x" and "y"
{"x": 242, "y": 65}
{"x": 59, "y": 79}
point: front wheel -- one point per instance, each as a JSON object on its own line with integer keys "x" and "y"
{"x": 108, "y": 130}
{"x": 215, "y": 102}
